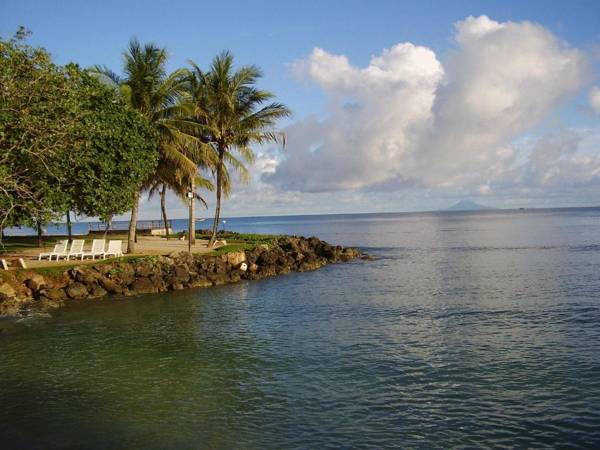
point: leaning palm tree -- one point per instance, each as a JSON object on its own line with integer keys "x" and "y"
{"x": 232, "y": 116}
{"x": 162, "y": 98}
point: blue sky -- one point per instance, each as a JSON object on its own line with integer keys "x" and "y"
{"x": 278, "y": 35}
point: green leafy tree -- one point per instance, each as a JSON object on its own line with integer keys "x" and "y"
{"x": 233, "y": 115}
{"x": 116, "y": 151}
{"x": 37, "y": 123}
{"x": 67, "y": 142}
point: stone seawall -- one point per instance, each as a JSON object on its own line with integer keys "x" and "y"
{"x": 24, "y": 291}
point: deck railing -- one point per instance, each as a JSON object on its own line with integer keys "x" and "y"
{"x": 142, "y": 225}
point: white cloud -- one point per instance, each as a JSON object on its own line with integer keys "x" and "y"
{"x": 408, "y": 121}
{"x": 594, "y": 99}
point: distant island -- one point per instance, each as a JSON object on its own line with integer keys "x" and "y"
{"x": 468, "y": 205}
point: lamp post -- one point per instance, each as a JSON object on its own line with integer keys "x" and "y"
{"x": 224, "y": 222}
{"x": 190, "y": 196}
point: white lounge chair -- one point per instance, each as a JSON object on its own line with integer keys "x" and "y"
{"x": 114, "y": 249}
{"x": 97, "y": 249}
{"x": 76, "y": 248}
{"x": 60, "y": 249}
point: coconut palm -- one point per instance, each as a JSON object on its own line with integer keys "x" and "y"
{"x": 181, "y": 181}
{"x": 233, "y": 115}
{"x": 162, "y": 98}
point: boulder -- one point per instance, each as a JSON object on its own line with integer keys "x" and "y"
{"x": 47, "y": 303}
{"x": 142, "y": 285}
{"x": 201, "y": 282}
{"x": 217, "y": 279}
{"x": 158, "y": 282}
{"x": 13, "y": 306}
{"x": 144, "y": 269}
{"x": 235, "y": 258}
{"x": 53, "y": 294}
{"x": 77, "y": 291}
{"x": 36, "y": 282}
{"x": 7, "y": 291}
{"x": 181, "y": 274}
{"x": 110, "y": 285}
{"x": 97, "y": 292}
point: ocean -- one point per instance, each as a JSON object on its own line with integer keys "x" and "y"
{"x": 469, "y": 330}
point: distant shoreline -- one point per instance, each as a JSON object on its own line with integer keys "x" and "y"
{"x": 293, "y": 216}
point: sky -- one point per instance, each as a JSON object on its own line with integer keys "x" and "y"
{"x": 398, "y": 106}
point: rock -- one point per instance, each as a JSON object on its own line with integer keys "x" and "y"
{"x": 12, "y": 306}
{"x": 253, "y": 267}
{"x": 217, "y": 279}
{"x": 220, "y": 266}
{"x": 48, "y": 303}
{"x": 236, "y": 258}
{"x": 158, "y": 283}
{"x": 53, "y": 294}
{"x": 110, "y": 286}
{"x": 7, "y": 291}
{"x": 201, "y": 283}
{"x": 23, "y": 292}
{"x": 36, "y": 282}
{"x": 123, "y": 274}
{"x": 85, "y": 275}
{"x": 77, "y": 291}
{"x": 348, "y": 254}
{"x": 97, "y": 292}
{"x": 143, "y": 269}
{"x": 181, "y": 274}
{"x": 142, "y": 286}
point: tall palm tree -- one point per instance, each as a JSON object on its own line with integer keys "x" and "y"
{"x": 163, "y": 99}
{"x": 233, "y": 115}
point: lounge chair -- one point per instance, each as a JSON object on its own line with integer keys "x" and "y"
{"x": 114, "y": 248}
{"x": 97, "y": 249}
{"x": 60, "y": 249}
{"x": 76, "y": 248}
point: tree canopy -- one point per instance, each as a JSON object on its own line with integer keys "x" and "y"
{"x": 67, "y": 142}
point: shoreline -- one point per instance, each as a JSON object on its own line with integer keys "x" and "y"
{"x": 28, "y": 291}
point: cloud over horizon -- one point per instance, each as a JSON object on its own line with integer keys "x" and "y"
{"x": 408, "y": 120}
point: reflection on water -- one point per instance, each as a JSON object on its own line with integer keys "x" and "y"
{"x": 470, "y": 330}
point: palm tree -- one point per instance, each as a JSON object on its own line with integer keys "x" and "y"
{"x": 233, "y": 115}
{"x": 181, "y": 180}
{"x": 163, "y": 99}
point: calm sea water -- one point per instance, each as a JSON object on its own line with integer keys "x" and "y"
{"x": 471, "y": 330}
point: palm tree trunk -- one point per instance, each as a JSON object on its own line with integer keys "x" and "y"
{"x": 213, "y": 236}
{"x": 163, "y": 208}
{"x": 69, "y": 226}
{"x": 193, "y": 214}
{"x": 133, "y": 223}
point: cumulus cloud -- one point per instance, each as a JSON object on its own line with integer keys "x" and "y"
{"x": 408, "y": 121}
{"x": 594, "y": 99}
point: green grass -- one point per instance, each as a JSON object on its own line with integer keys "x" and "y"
{"x": 16, "y": 243}
{"x": 57, "y": 270}
{"x": 230, "y": 248}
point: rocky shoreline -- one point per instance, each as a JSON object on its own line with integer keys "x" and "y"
{"x": 25, "y": 291}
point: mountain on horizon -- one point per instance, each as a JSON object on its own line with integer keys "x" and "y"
{"x": 468, "y": 205}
